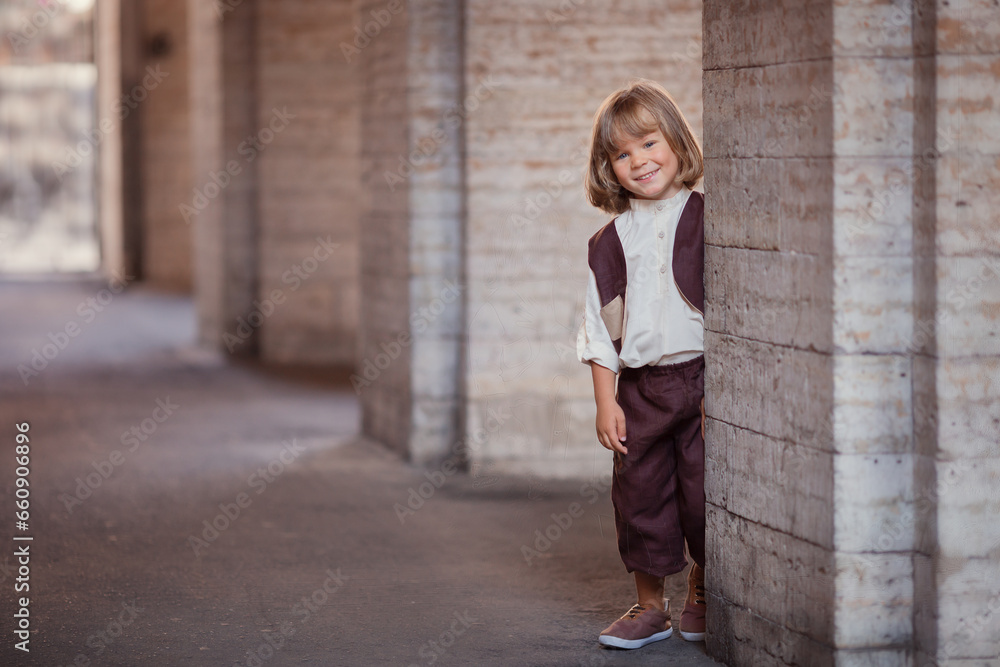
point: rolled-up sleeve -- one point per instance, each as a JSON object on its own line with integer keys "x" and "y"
{"x": 593, "y": 342}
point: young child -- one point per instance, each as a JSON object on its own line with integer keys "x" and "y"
{"x": 644, "y": 326}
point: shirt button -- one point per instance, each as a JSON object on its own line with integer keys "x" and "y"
{"x": 659, "y": 207}
{"x": 661, "y": 235}
{"x": 663, "y": 269}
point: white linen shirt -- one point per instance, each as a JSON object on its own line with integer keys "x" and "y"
{"x": 661, "y": 326}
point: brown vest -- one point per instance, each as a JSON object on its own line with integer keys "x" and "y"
{"x": 607, "y": 260}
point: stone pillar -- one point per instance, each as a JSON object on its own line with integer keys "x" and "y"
{"x": 957, "y": 564}
{"x": 108, "y": 58}
{"x": 222, "y": 206}
{"x": 308, "y": 167}
{"x": 161, "y": 127}
{"x": 833, "y": 262}
{"x": 412, "y": 263}
{"x": 769, "y": 339}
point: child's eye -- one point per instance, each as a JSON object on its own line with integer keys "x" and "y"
{"x": 650, "y": 143}
{"x": 622, "y": 156}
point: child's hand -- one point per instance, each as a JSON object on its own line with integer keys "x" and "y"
{"x": 611, "y": 426}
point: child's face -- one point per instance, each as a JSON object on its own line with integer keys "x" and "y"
{"x": 647, "y": 167}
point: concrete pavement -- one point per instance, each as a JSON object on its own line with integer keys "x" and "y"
{"x": 185, "y": 511}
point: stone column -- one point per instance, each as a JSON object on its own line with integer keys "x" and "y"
{"x": 161, "y": 131}
{"x": 108, "y": 58}
{"x": 769, "y": 175}
{"x": 838, "y": 408}
{"x": 412, "y": 246}
{"x": 957, "y": 564}
{"x": 222, "y": 207}
{"x": 308, "y": 173}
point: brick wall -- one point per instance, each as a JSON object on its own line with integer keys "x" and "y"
{"x": 542, "y": 69}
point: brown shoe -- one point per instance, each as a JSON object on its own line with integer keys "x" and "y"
{"x": 639, "y": 626}
{"x": 693, "y": 616}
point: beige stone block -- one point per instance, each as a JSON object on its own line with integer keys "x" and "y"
{"x": 967, "y": 416}
{"x": 796, "y": 109}
{"x": 873, "y": 28}
{"x": 873, "y": 502}
{"x": 745, "y": 399}
{"x": 873, "y": 658}
{"x": 968, "y": 607}
{"x": 740, "y": 636}
{"x": 791, "y": 105}
{"x": 788, "y": 574}
{"x": 781, "y": 485}
{"x": 873, "y": 107}
{"x": 520, "y": 363}
{"x": 782, "y": 298}
{"x": 966, "y": 113}
{"x": 528, "y": 433}
{"x": 967, "y": 26}
{"x": 507, "y": 309}
{"x": 873, "y": 205}
{"x": 769, "y": 204}
{"x": 873, "y": 304}
{"x": 968, "y": 195}
{"x": 873, "y": 601}
{"x": 434, "y": 367}
{"x": 433, "y": 430}
{"x": 529, "y": 47}
{"x": 968, "y": 317}
{"x": 967, "y": 507}
{"x": 872, "y": 404}
{"x": 754, "y": 33}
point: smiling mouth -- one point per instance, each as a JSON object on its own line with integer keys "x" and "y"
{"x": 648, "y": 176}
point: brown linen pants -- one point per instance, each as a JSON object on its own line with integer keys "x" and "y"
{"x": 658, "y": 489}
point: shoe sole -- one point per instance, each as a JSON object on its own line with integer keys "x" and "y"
{"x": 617, "y": 642}
{"x": 693, "y": 636}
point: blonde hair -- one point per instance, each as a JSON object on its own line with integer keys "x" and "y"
{"x": 639, "y": 108}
